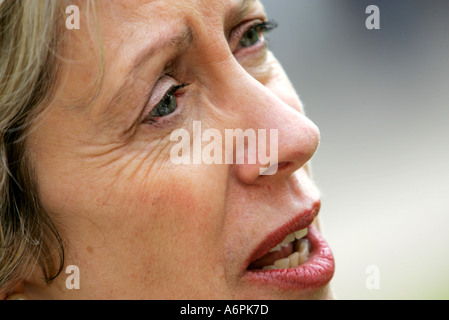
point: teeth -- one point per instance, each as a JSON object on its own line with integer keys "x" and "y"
{"x": 301, "y": 254}
{"x": 282, "y": 263}
{"x": 304, "y": 248}
{"x": 295, "y": 259}
{"x": 272, "y": 267}
{"x": 301, "y": 233}
{"x": 288, "y": 239}
{"x": 302, "y": 245}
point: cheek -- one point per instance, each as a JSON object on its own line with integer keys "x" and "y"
{"x": 190, "y": 206}
{"x": 154, "y": 201}
{"x": 173, "y": 224}
{"x": 142, "y": 203}
{"x": 146, "y": 222}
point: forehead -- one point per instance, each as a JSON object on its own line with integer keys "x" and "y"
{"x": 116, "y": 14}
{"x": 132, "y": 23}
{"x": 127, "y": 28}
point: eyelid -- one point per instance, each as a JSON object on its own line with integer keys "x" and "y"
{"x": 159, "y": 91}
{"x": 162, "y": 87}
{"x": 265, "y": 26}
{"x": 237, "y": 34}
{"x": 149, "y": 108}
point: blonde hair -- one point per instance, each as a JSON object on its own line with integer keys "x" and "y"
{"x": 29, "y": 32}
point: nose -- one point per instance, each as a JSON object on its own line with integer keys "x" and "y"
{"x": 286, "y": 138}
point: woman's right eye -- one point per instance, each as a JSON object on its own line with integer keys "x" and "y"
{"x": 166, "y": 106}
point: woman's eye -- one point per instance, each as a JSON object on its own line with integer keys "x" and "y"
{"x": 250, "y": 38}
{"x": 167, "y": 105}
{"x": 255, "y": 33}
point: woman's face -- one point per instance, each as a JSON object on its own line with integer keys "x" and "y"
{"x": 138, "y": 225}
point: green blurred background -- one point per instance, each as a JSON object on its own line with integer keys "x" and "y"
{"x": 381, "y": 101}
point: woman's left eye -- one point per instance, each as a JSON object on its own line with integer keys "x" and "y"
{"x": 255, "y": 33}
{"x": 166, "y": 106}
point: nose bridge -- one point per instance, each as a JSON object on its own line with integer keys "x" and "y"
{"x": 256, "y": 107}
{"x": 252, "y": 103}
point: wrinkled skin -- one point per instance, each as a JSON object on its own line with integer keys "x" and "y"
{"x": 136, "y": 225}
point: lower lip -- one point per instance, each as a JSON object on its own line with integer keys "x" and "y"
{"x": 315, "y": 273}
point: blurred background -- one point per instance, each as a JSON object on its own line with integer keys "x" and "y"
{"x": 381, "y": 101}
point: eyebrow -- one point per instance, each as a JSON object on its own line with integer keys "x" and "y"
{"x": 238, "y": 12}
{"x": 184, "y": 40}
{"x": 181, "y": 42}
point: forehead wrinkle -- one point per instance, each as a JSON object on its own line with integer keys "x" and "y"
{"x": 180, "y": 43}
{"x": 185, "y": 39}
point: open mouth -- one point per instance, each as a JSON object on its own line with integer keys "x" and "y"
{"x": 301, "y": 260}
{"x": 292, "y": 252}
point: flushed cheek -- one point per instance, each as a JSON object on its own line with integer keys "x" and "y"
{"x": 161, "y": 224}
{"x": 179, "y": 233}
{"x": 134, "y": 212}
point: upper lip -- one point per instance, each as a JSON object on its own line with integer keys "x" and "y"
{"x": 299, "y": 222}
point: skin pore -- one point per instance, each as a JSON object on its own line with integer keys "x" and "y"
{"x": 137, "y": 226}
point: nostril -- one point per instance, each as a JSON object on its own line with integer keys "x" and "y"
{"x": 284, "y": 165}
{"x": 274, "y": 169}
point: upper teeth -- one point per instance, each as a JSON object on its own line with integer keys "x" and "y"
{"x": 301, "y": 233}
{"x": 290, "y": 238}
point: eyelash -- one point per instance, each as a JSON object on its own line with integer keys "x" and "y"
{"x": 263, "y": 28}
{"x": 171, "y": 93}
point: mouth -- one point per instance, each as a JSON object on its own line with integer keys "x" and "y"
{"x": 294, "y": 257}
{"x": 293, "y": 251}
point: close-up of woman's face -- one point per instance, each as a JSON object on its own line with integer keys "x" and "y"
{"x": 137, "y": 224}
